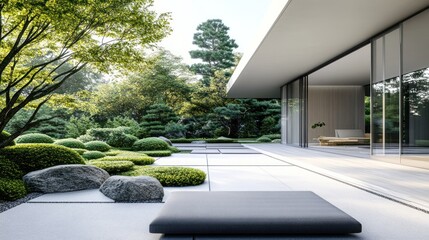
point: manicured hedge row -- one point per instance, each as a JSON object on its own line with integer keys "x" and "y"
{"x": 208, "y": 140}
{"x": 112, "y": 166}
{"x": 89, "y": 155}
{"x": 137, "y": 160}
{"x": 165, "y": 153}
{"x": 171, "y": 176}
{"x": 70, "y": 143}
{"x": 34, "y": 156}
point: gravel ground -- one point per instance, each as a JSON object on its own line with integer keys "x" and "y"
{"x": 8, "y": 205}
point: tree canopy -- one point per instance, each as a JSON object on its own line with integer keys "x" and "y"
{"x": 105, "y": 34}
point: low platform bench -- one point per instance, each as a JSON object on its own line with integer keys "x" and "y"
{"x": 250, "y": 213}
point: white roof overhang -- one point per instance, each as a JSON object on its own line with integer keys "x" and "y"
{"x": 300, "y": 35}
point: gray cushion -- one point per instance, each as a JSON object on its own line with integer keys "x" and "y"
{"x": 251, "y": 213}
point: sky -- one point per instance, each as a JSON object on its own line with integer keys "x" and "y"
{"x": 243, "y": 18}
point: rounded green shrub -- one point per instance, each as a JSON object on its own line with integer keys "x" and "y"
{"x": 112, "y": 166}
{"x": 89, "y": 155}
{"x": 121, "y": 140}
{"x": 112, "y": 153}
{"x": 277, "y": 141}
{"x": 80, "y": 150}
{"x": 5, "y": 135}
{"x": 70, "y": 143}
{"x": 165, "y": 153}
{"x": 174, "y": 149}
{"x": 171, "y": 176}
{"x": 136, "y": 159}
{"x": 34, "y": 138}
{"x": 34, "y": 156}
{"x": 9, "y": 169}
{"x": 150, "y": 144}
{"x": 12, "y": 189}
{"x": 85, "y": 138}
{"x": 273, "y": 136}
{"x": 97, "y": 146}
{"x": 263, "y": 140}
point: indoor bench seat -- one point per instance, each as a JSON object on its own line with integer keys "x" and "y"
{"x": 254, "y": 213}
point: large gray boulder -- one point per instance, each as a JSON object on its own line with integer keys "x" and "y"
{"x": 133, "y": 189}
{"x": 65, "y": 178}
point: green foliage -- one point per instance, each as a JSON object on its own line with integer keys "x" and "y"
{"x": 70, "y": 143}
{"x": 12, "y": 189}
{"x": 89, "y": 155}
{"x": 4, "y": 135}
{"x": 9, "y": 169}
{"x": 273, "y": 136}
{"x": 34, "y": 138}
{"x": 173, "y": 149}
{"x": 136, "y": 159}
{"x": 80, "y": 150}
{"x": 216, "y": 48}
{"x": 182, "y": 140}
{"x": 276, "y": 141}
{"x": 171, "y": 176}
{"x": 97, "y": 146}
{"x": 112, "y": 167}
{"x": 156, "y": 118}
{"x": 78, "y": 126}
{"x": 219, "y": 140}
{"x": 34, "y": 156}
{"x": 132, "y": 125}
{"x": 175, "y": 130}
{"x": 158, "y": 153}
{"x": 121, "y": 140}
{"x": 264, "y": 139}
{"x": 86, "y": 138}
{"x": 150, "y": 144}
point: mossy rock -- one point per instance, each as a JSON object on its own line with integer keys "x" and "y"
{"x": 170, "y": 176}
{"x": 70, "y": 143}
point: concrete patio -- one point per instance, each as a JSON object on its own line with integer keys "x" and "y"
{"x": 90, "y": 215}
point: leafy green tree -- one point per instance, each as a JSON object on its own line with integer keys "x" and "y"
{"x": 215, "y": 48}
{"x": 105, "y": 34}
{"x": 77, "y": 126}
{"x": 156, "y": 119}
{"x": 229, "y": 117}
{"x": 120, "y": 121}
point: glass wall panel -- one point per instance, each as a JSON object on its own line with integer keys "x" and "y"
{"x": 293, "y": 113}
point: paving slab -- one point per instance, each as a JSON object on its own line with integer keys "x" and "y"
{"x": 183, "y": 160}
{"x": 243, "y": 160}
{"x": 205, "y": 151}
{"x": 90, "y": 195}
{"x": 189, "y": 145}
{"x": 220, "y": 145}
{"x": 237, "y": 151}
{"x": 83, "y": 221}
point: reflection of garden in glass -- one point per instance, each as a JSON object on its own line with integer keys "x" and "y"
{"x": 415, "y": 87}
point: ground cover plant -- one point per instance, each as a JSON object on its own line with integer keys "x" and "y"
{"x": 170, "y": 176}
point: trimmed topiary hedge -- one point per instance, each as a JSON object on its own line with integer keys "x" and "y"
{"x": 121, "y": 140}
{"x": 34, "y": 156}
{"x": 150, "y": 144}
{"x": 171, "y": 176}
{"x": 70, "y": 143}
{"x": 208, "y": 140}
{"x": 112, "y": 166}
{"x": 4, "y": 135}
{"x": 263, "y": 140}
{"x": 12, "y": 189}
{"x": 137, "y": 160}
{"x": 273, "y": 136}
{"x": 165, "y": 153}
{"x": 9, "y": 169}
{"x": 174, "y": 149}
{"x": 89, "y": 155}
{"x": 34, "y": 138}
{"x": 97, "y": 146}
{"x": 80, "y": 150}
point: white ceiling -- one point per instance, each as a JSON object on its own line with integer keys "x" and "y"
{"x": 353, "y": 69}
{"x": 308, "y": 33}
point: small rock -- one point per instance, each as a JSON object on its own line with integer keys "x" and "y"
{"x": 133, "y": 189}
{"x": 166, "y": 140}
{"x": 65, "y": 178}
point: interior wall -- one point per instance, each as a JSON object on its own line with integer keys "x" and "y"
{"x": 339, "y": 107}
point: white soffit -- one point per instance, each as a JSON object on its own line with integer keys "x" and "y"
{"x": 307, "y": 33}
